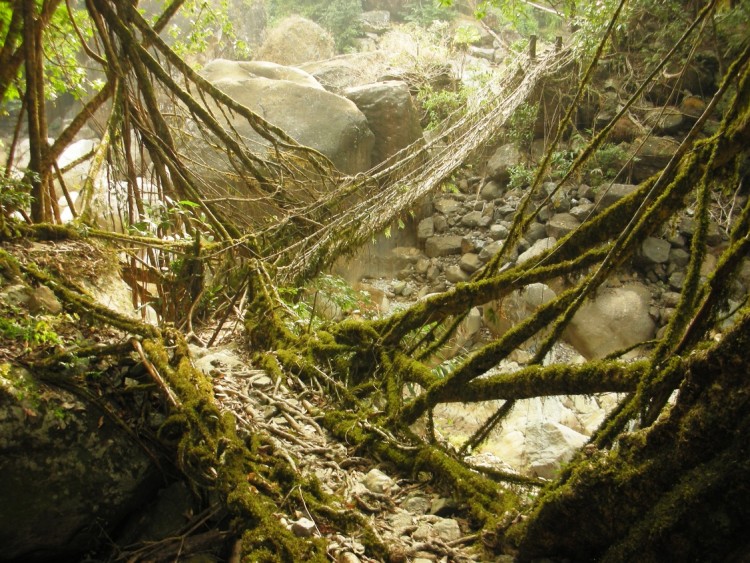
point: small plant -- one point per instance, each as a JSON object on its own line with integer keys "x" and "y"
{"x": 32, "y": 332}
{"x": 609, "y": 158}
{"x": 520, "y": 130}
{"x": 425, "y": 12}
{"x": 521, "y": 176}
{"x": 440, "y": 104}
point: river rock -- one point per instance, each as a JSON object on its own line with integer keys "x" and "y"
{"x": 44, "y": 300}
{"x": 536, "y": 249}
{"x": 655, "y": 250}
{"x": 296, "y": 40}
{"x": 616, "y": 318}
{"x": 346, "y": 71}
{"x": 653, "y": 156}
{"x": 501, "y": 315}
{"x": 549, "y": 445}
{"x": 64, "y": 466}
{"x": 295, "y": 102}
{"x": 391, "y": 114}
{"x": 500, "y": 163}
{"x": 561, "y": 224}
{"x": 378, "y": 482}
{"x": 443, "y": 245}
{"x": 610, "y": 195}
{"x": 491, "y": 190}
{"x": 455, "y": 274}
{"x": 425, "y": 229}
{"x": 665, "y": 120}
{"x": 470, "y": 263}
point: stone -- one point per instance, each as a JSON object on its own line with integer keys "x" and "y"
{"x": 347, "y": 557}
{"x": 500, "y": 163}
{"x": 16, "y": 295}
{"x": 346, "y": 71}
{"x": 455, "y": 274}
{"x": 447, "y": 529}
{"x": 375, "y": 21}
{"x": 44, "y": 300}
{"x": 665, "y": 120}
{"x": 499, "y": 232}
{"x": 303, "y": 528}
{"x": 582, "y": 211}
{"x": 676, "y": 280}
{"x": 391, "y": 115}
{"x": 549, "y": 445}
{"x": 64, "y": 464}
{"x": 491, "y": 191}
{"x": 425, "y": 229}
{"x": 471, "y": 219}
{"x": 296, "y": 40}
{"x": 378, "y": 482}
{"x": 714, "y": 236}
{"x": 443, "y": 245}
{"x": 440, "y": 223}
{"x": 613, "y": 194}
{"x": 670, "y": 298}
{"x": 501, "y": 315}
{"x": 535, "y": 232}
{"x": 688, "y": 226}
{"x": 490, "y": 250}
{"x": 616, "y": 318}
{"x": 294, "y": 102}
{"x": 470, "y": 263}
{"x": 587, "y": 192}
{"x": 403, "y": 256}
{"x": 416, "y": 504}
{"x": 536, "y": 249}
{"x": 679, "y": 257}
{"x": 443, "y": 506}
{"x": 653, "y": 156}
{"x": 446, "y": 205}
{"x": 561, "y": 224}
{"x": 655, "y": 250}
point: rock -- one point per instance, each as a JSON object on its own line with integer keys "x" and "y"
{"x": 440, "y": 222}
{"x": 655, "y": 250}
{"x": 535, "y": 232}
{"x": 403, "y": 256}
{"x": 391, "y": 114}
{"x": 346, "y": 71}
{"x": 378, "y": 482}
{"x": 16, "y": 295}
{"x": 538, "y": 248}
{"x": 416, "y": 504}
{"x": 561, "y": 224}
{"x": 293, "y": 101}
{"x": 375, "y": 21}
{"x": 44, "y": 300}
{"x": 499, "y": 232}
{"x": 347, "y": 557}
{"x": 692, "y": 107}
{"x": 471, "y": 219}
{"x": 447, "y": 529}
{"x": 582, "y": 211}
{"x": 500, "y": 163}
{"x": 490, "y": 250}
{"x": 303, "y": 528}
{"x": 425, "y": 229}
{"x": 443, "y": 245}
{"x": 500, "y": 316}
{"x": 470, "y": 263}
{"x": 549, "y": 445}
{"x": 679, "y": 257}
{"x": 616, "y": 318}
{"x": 64, "y": 465}
{"x": 653, "y": 156}
{"x": 613, "y": 194}
{"x": 714, "y": 236}
{"x": 665, "y": 120}
{"x": 446, "y": 205}
{"x": 296, "y": 40}
{"x": 491, "y": 190}
{"x": 676, "y": 280}
{"x": 455, "y": 274}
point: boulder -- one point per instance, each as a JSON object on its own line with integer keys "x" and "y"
{"x": 500, "y": 163}
{"x": 655, "y": 250}
{"x": 653, "y": 157}
{"x": 561, "y": 224}
{"x": 616, "y": 318}
{"x": 609, "y": 195}
{"x": 536, "y": 249}
{"x": 346, "y": 71}
{"x": 456, "y": 274}
{"x": 470, "y": 263}
{"x": 296, "y": 40}
{"x": 65, "y": 465}
{"x": 292, "y": 100}
{"x": 375, "y": 21}
{"x": 391, "y": 114}
{"x": 425, "y": 229}
{"x": 443, "y": 245}
{"x": 501, "y": 315}
{"x": 666, "y": 120}
{"x": 549, "y": 445}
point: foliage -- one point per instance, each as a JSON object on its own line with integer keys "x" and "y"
{"x": 14, "y": 193}
{"x": 609, "y": 158}
{"x": 521, "y": 176}
{"x": 205, "y": 25}
{"x": 439, "y": 104}
{"x": 31, "y": 331}
{"x": 520, "y": 128}
{"x": 426, "y": 12}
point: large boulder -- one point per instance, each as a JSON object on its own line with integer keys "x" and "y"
{"x": 500, "y": 163}
{"x": 346, "y": 71}
{"x": 501, "y": 315}
{"x": 69, "y": 473}
{"x": 391, "y": 114}
{"x": 653, "y": 156}
{"x": 615, "y": 319}
{"x": 296, "y": 40}
{"x": 292, "y": 100}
